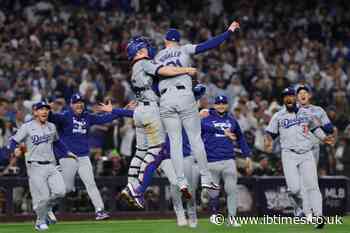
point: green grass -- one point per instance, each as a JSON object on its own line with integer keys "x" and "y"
{"x": 167, "y": 226}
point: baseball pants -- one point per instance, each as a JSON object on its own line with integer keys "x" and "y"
{"x": 297, "y": 167}
{"x": 178, "y": 108}
{"x": 149, "y": 139}
{"x": 227, "y": 171}
{"x": 306, "y": 204}
{"x": 46, "y": 186}
{"x": 169, "y": 171}
{"x": 83, "y": 167}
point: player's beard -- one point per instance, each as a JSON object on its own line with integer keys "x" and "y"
{"x": 291, "y": 108}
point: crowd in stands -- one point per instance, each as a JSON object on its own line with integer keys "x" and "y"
{"x": 52, "y": 49}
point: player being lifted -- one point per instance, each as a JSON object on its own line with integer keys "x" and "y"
{"x": 294, "y": 127}
{"x": 178, "y": 107}
{"x": 150, "y": 135}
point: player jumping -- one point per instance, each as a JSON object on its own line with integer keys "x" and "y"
{"x": 178, "y": 107}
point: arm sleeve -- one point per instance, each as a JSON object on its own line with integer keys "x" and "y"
{"x": 319, "y": 133}
{"x": 327, "y": 125}
{"x": 212, "y": 43}
{"x": 60, "y": 144}
{"x": 209, "y": 128}
{"x": 272, "y": 128}
{"x": 151, "y": 67}
{"x": 189, "y": 49}
{"x": 21, "y": 134}
{"x": 4, "y": 154}
{"x": 57, "y": 118}
{"x": 241, "y": 141}
{"x": 100, "y": 119}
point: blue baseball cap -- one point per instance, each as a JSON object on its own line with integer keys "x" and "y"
{"x": 41, "y": 104}
{"x": 288, "y": 91}
{"x": 173, "y": 35}
{"x": 76, "y": 98}
{"x": 303, "y": 87}
{"x": 221, "y": 99}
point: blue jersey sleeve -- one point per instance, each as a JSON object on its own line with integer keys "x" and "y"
{"x": 57, "y": 118}
{"x": 241, "y": 140}
{"x": 99, "y": 119}
{"x": 63, "y": 148}
{"x": 4, "y": 154}
{"x": 212, "y": 43}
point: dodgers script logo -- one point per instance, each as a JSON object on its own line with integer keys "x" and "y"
{"x": 79, "y": 126}
{"x": 36, "y": 139}
{"x": 286, "y": 123}
{"x": 222, "y": 126}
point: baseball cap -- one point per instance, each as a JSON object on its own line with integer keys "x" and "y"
{"x": 76, "y": 98}
{"x": 41, "y": 104}
{"x": 221, "y": 99}
{"x": 173, "y": 35}
{"x": 288, "y": 91}
{"x": 303, "y": 87}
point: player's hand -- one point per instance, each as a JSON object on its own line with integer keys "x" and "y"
{"x": 191, "y": 71}
{"x": 18, "y": 152}
{"x": 71, "y": 155}
{"x": 204, "y": 113}
{"x": 105, "y": 107}
{"x": 329, "y": 140}
{"x": 248, "y": 166}
{"x": 234, "y": 26}
{"x": 230, "y": 135}
{"x": 131, "y": 105}
{"x": 268, "y": 145}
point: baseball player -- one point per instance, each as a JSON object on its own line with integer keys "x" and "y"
{"x": 304, "y": 97}
{"x": 45, "y": 181}
{"x": 220, "y": 132}
{"x": 178, "y": 107}
{"x": 73, "y": 127}
{"x": 150, "y": 135}
{"x": 294, "y": 126}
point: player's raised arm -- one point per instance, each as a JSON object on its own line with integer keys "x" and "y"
{"x": 217, "y": 40}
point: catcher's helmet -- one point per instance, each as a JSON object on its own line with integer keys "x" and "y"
{"x": 139, "y": 42}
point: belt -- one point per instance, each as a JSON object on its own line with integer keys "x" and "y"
{"x": 177, "y": 87}
{"x": 40, "y": 162}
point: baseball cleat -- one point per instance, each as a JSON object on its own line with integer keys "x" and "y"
{"x": 101, "y": 215}
{"x": 185, "y": 193}
{"x": 138, "y": 200}
{"x": 50, "y": 218}
{"x": 321, "y": 224}
{"x": 41, "y": 227}
{"x": 192, "y": 221}
{"x": 181, "y": 220}
{"x": 127, "y": 196}
{"x": 211, "y": 185}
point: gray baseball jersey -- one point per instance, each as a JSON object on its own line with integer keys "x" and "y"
{"x": 38, "y": 139}
{"x": 320, "y": 115}
{"x": 179, "y": 56}
{"x": 143, "y": 72}
{"x": 293, "y": 129}
{"x": 178, "y": 108}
